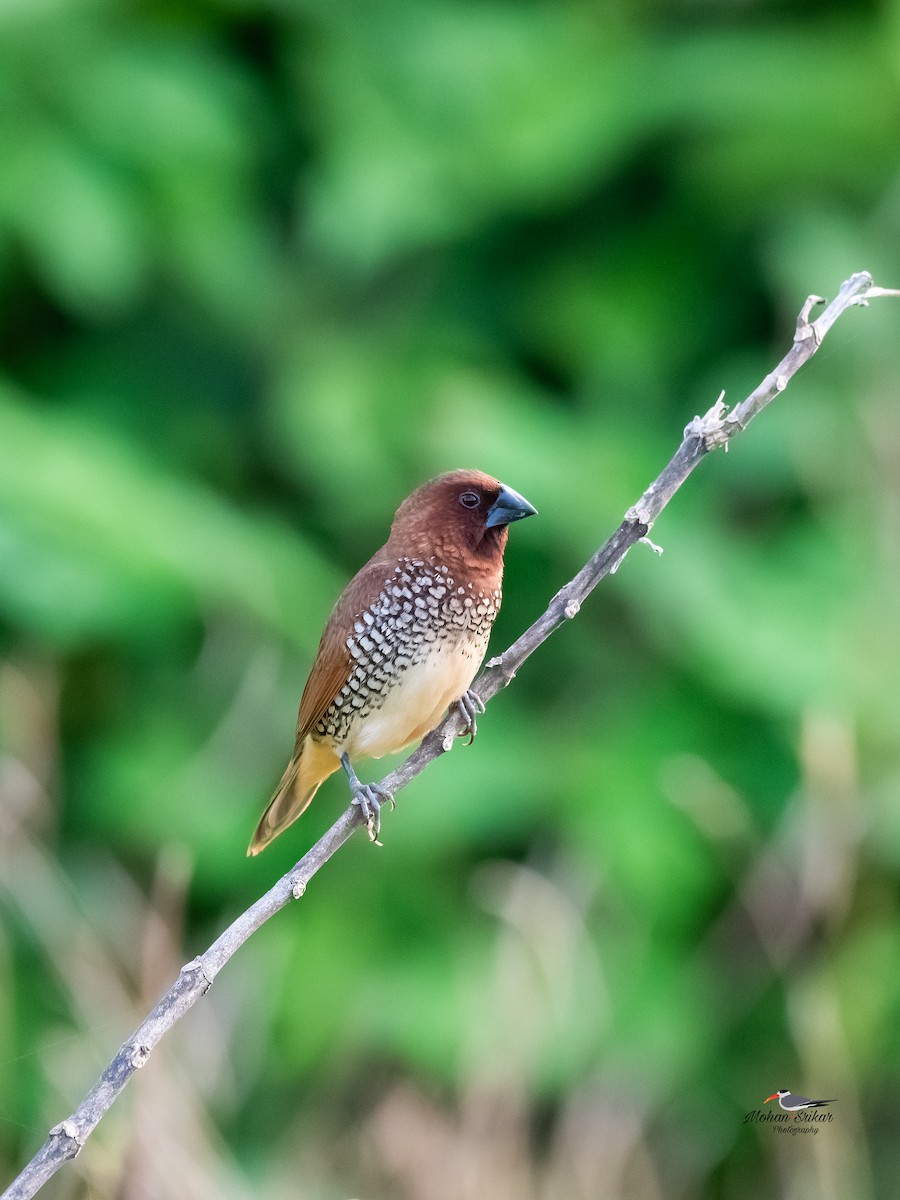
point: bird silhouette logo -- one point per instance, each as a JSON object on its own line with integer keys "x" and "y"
{"x": 793, "y": 1104}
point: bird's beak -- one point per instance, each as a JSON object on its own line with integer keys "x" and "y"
{"x": 508, "y": 507}
{"x": 774, "y": 1096}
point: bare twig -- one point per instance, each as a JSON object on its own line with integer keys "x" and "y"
{"x": 703, "y": 434}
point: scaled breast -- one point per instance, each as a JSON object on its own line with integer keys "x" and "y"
{"x": 421, "y": 610}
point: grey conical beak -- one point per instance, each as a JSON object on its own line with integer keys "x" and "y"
{"x": 508, "y": 507}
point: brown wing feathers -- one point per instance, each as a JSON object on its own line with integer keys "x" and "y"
{"x": 333, "y": 659}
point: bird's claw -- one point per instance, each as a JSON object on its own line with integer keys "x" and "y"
{"x": 370, "y": 799}
{"x": 366, "y": 795}
{"x": 470, "y": 707}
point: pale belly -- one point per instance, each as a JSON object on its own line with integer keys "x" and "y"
{"x": 415, "y": 705}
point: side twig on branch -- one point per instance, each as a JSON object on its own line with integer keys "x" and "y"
{"x": 703, "y": 434}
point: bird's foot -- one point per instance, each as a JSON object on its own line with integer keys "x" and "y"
{"x": 470, "y": 707}
{"x": 370, "y": 799}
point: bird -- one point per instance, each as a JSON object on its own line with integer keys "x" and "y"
{"x": 403, "y": 642}
{"x": 793, "y": 1104}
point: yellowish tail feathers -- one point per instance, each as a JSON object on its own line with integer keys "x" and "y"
{"x": 299, "y": 783}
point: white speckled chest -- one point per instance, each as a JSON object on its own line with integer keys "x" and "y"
{"x": 414, "y": 651}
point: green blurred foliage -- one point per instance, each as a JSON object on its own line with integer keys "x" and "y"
{"x": 263, "y": 268}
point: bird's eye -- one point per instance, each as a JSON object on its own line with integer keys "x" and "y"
{"x": 470, "y": 499}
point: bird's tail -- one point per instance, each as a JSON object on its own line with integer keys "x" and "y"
{"x": 819, "y": 1103}
{"x": 311, "y": 765}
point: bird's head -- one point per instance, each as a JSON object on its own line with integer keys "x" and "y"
{"x": 777, "y": 1095}
{"x": 463, "y": 514}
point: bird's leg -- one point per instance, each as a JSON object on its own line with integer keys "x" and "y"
{"x": 369, "y": 797}
{"x": 470, "y": 705}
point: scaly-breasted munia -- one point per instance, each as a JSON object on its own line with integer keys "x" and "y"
{"x": 403, "y": 642}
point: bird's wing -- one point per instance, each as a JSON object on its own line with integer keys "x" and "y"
{"x": 799, "y": 1101}
{"x": 331, "y": 669}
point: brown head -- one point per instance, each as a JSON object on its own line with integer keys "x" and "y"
{"x": 461, "y": 516}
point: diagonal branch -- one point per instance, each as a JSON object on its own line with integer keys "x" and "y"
{"x": 702, "y": 435}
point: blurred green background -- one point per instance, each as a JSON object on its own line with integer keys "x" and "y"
{"x": 264, "y": 267}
